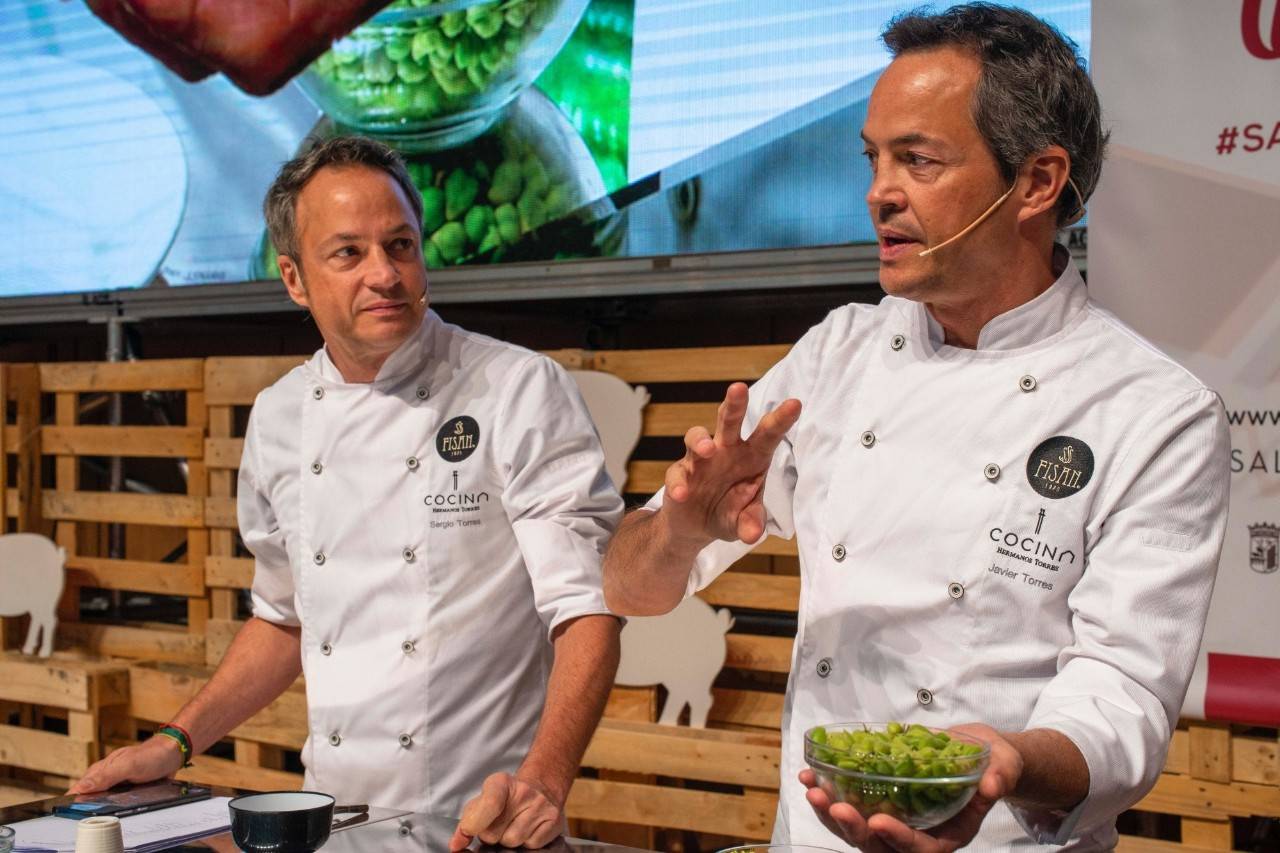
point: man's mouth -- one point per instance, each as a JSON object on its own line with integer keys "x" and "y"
{"x": 385, "y": 307}
{"x": 895, "y": 238}
{"x": 894, "y": 244}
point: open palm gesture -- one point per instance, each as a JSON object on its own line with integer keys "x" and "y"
{"x": 717, "y": 490}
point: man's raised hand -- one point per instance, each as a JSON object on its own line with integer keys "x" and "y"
{"x": 717, "y": 490}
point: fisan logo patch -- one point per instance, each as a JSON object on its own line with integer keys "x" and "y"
{"x": 458, "y": 438}
{"x": 1060, "y": 466}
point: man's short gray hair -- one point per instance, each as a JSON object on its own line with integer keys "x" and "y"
{"x": 280, "y": 206}
{"x": 1033, "y": 91}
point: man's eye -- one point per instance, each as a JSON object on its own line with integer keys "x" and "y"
{"x": 871, "y": 159}
{"x": 914, "y": 159}
{"x": 345, "y": 252}
{"x": 403, "y": 244}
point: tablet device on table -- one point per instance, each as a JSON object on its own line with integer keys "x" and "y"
{"x": 133, "y": 799}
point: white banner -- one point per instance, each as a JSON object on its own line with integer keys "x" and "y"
{"x": 1185, "y": 247}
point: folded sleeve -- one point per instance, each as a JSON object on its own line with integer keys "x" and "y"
{"x": 558, "y": 496}
{"x": 1139, "y": 610}
{"x": 272, "y": 593}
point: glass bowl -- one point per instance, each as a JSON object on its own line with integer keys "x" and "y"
{"x": 7, "y": 834}
{"x": 776, "y": 848}
{"x": 435, "y": 73}
{"x": 922, "y": 776}
{"x": 481, "y": 198}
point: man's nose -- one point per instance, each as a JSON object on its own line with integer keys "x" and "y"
{"x": 884, "y": 194}
{"x": 380, "y": 269}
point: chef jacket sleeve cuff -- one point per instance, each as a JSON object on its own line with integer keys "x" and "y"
{"x": 1048, "y": 826}
{"x": 569, "y": 616}
{"x": 271, "y": 596}
{"x": 277, "y": 618}
{"x": 712, "y": 560}
{"x": 1124, "y": 740}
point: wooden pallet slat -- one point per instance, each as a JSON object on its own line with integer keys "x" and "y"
{"x": 760, "y": 653}
{"x": 221, "y": 513}
{"x": 25, "y": 382}
{"x": 160, "y": 690}
{"x": 696, "y": 364}
{"x": 236, "y": 380}
{"x": 754, "y": 708}
{"x": 748, "y": 816}
{"x": 169, "y": 645}
{"x": 207, "y": 770}
{"x": 123, "y": 508}
{"x": 223, "y": 454}
{"x": 1255, "y": 759}
{"x": 676, "y": 419}
{"x": 132, "y": 441}
{"x": 62, "y": 681}
{"x": 136, "y": 575}
{"x": 229, "y": 572}
{"x": 1183, "y": 795}
{"x": 733, "y": 758}
{"x": 182, "y": 374}
{"x": 32, "y": 749}
{"x": 754, "y": 591}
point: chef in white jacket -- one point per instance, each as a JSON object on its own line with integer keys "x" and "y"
{"x": 427, "y": 509}
{"x": 1009, "y": 507}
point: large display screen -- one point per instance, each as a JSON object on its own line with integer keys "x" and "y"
{"x": 537, "y": 130}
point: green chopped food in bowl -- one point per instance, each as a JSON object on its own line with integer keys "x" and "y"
{"x": 482, "y": 198}
{"x": 922, "y": 776}
{"x": 438, "y": 71}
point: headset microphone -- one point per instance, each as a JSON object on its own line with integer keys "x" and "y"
{"x": 422, "y": 300}
{"x": 992, "y": 209}
{"x": 972, "y": 225}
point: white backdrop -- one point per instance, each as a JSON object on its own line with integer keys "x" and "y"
{"x": 1185, "y": 247}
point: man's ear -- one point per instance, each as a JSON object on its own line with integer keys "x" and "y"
{"x": 1045, "y": 177}
{"x": 292, "y": 276}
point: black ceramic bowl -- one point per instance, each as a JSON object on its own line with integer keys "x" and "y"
{"x": 281, "y": 821}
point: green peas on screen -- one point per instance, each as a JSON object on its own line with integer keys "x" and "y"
{"x": 459, "y": 54}
{"x": 433, "y": 209}
{"x": 476, "y": 200}
{"x": 451, "y": 240}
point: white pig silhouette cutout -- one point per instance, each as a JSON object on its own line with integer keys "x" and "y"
{"x": 618, "y": 411}
{"x": 31, "y": 581}
{"x": 683, "y": 651}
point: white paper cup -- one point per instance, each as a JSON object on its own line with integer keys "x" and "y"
{"x": 99, "y": 835}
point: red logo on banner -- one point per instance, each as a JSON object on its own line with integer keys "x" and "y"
{"x": 1251, "y": 30}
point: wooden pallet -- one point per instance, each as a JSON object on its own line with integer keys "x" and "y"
{"x": 86, "y": 700}
{"x": 720, "y": 783}
{"x": 80, "y": 517}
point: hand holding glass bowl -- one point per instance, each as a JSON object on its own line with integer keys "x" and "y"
{"x": 436, "y": 73}
{"x": 918, "y": 775}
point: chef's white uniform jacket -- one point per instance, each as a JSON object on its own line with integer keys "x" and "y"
{"x": 951, "y": 573}
{"x": 427, "y": 531}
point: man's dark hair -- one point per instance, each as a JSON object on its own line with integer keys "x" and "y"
{"x": 1033, "y": 91}
{"x": 281, "y": 204}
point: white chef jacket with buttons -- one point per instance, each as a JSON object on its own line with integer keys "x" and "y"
{"x": 1023, "y": 534}
{"x": 427, "y": 531}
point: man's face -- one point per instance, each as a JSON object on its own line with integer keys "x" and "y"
{"x": 361, "y": 272}
{"x": 933, "y": 172}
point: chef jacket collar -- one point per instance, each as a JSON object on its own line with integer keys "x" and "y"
{"x": 408, "y": 358}
{"x": 1032, "y": 321}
